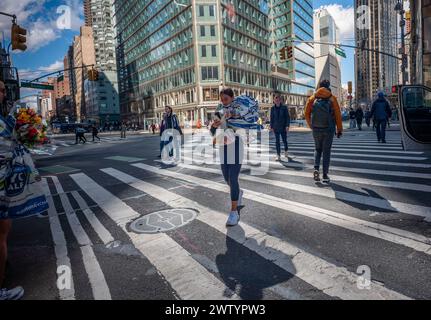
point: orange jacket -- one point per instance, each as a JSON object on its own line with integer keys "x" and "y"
{"x": 323, "y": 93}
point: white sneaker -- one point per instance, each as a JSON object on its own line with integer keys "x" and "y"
{"x": 11, "y": 294}
{"x": 277, "y": 158}
{"x": 233, "y": 219}
{"x": 241, "y": 193}
{"x": 286, "y": 155}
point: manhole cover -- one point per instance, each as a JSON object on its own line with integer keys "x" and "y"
{"x": 163, "y": 221}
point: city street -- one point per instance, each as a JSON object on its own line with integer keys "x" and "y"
{"x": 296, "y": 239}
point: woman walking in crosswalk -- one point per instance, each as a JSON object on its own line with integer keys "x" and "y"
{"x": 231, "y": 153}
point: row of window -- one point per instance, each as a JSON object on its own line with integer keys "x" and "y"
{"x": 234, "y": 38}
{"x": 249, "y": 9}
{"x": 206, "y": 11}
{"x": 140, "y": 46}
{"x": 209, "y": 73}
{"x": 247, "y": 78}
{"x": 178, "y": 61}
{"x": 239, "y": 58}
{"x": 247, "y": 26}
{"x": 177, "y": 43}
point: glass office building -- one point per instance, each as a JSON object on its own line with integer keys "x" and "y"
{"x": 181, "y": 53}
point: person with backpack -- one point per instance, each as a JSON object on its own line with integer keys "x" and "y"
{"x": 323, "y": 116}
{"x": 381, "y": 111}
{"x": 279, "y": 124}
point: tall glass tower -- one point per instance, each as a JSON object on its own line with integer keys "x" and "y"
{"x": 181, "y": 53}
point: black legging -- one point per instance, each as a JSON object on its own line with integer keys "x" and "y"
{"x": 231, "y": 167}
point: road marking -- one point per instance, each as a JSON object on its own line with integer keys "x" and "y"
{"x": 185, "y": 275}
{"x": 349, "y": 179}
{"x": 357, "y": 180}
{"x": 380, "y": 231}
{"x": 380, "y": 150}
{"x": 385, "y": 156}
{"x": 60, "y": 244}
{"x": 98, "y": 227}
{"x": 292, "y": 164}
{"x": 382, "y": 163}
{"x": 95, "y": 274}
{"x": 332, "y": 280}
{"x": 385, "y": 204}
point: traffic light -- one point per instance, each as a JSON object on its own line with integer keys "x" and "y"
{"x": 18, "y": 37}
{"x": 395, "y": 89}
{"x": 349, "y": 87}
{"x": 283, "y": 54}
{"x": 93, "y": 74}
{"x": 289, "y": 52}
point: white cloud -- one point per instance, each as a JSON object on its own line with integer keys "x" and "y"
{"x": 26, "y": 74}
{"x": 344, "y": 17}
{"x": 41, "y": 24}
{"x": 40, "y": 33}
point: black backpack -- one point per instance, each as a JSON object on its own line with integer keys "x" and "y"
{"x": 322, "y": 115}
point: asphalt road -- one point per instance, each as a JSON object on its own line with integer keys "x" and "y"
{"x": 296, "y": 239}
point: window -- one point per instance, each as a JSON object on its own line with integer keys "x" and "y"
{"x": 203, "y": 51}
{"x": 212, "y": 31}
{"x": 214, "y": 50}
{"x": 211, "y": 11}
{"x": 202, "y": 31}
{"x": 201, "y": 11}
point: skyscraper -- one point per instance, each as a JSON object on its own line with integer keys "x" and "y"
{"x": 101, "y": 97}
{"x": 376, "y": 71}
{"x": 181, "y": 53}
{"x": 420, "y": 54}
{"x": 83, "y": 55}
{"x": 328, "y": 63}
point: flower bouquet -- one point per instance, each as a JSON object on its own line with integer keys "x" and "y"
{"x": 29, "y": 128}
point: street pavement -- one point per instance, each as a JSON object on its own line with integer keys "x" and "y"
{"x": 296, "y": 239}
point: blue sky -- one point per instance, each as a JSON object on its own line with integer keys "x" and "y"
{"x": 48, "y": 44}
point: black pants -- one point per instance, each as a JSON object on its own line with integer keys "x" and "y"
{"x": 80, "y": 137}
{"x": 283, "y": 136}
{"x": 95, "y": 135}
{"x": 381, "y": 130}
{"x": 231, "y": 162}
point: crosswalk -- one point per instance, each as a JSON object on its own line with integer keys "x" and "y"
{"x": 296, "y": 239}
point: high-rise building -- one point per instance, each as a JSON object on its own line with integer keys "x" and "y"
{"x": 376, "y": 71}
{"x": 181, "y": 53}
{"x": 102, "y": 102}
{"x": 328, "y": 63}
{"x": 420, "y": 48}
{"x": 83, "y": 55}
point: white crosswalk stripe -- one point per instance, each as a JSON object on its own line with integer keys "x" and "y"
{"x": 189, "y": 279}
{"x": 333, "y": 280}
{"x": 417, "y": 242}
{"x": 196, "y": 276}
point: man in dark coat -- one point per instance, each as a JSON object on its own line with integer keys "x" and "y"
{"x": 381, "y": 111}
{"x": 279, "y": 124}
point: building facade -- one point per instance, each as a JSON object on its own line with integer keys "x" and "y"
{"x": 83, "y": 55}
{"x": 101, "y": 97}
{"x": 420, "y": 48}
{"x": 376, "y": 71}
{"x": 328, "y": 63}
{"x": 182, "y": 53}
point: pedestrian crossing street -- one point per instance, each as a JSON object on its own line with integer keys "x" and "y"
{"x": 296, "y": 239}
